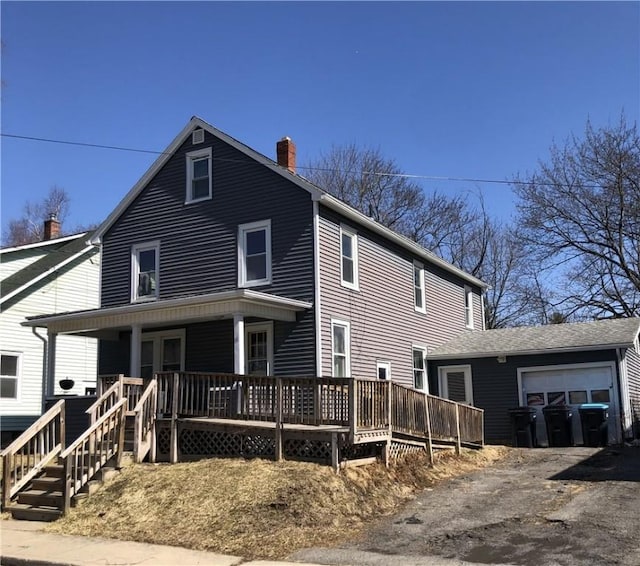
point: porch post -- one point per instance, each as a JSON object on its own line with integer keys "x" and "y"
{"x": 134, "y": 359}
{"x": 238, "y": 344}
{"x": 51, "y": 364}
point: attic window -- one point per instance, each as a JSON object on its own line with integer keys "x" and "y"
{"x": 197, "y": 136}
{"x": 199, "y": 171}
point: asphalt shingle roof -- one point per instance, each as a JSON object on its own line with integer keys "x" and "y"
{"x": 50, "y": 260}
{"x": 598, "y": 334}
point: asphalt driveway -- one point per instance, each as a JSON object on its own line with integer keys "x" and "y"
{"x": 552, "y": 506}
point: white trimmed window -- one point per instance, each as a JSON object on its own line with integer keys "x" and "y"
{"x": 254, "y": 254}
{"x": 468, "y": 307}
{"x": 349, "y": 257}
{"x": 383, "y": 370}
{"x": 258, "y": 343}
{"x": 419, "y": 368}
{"x": 456, "y": 384}
{"x": 10, "y": 367}
{"x": 340, "y": 348}
{"x": 199, "y": 177}
{"x": 418, "y": 287}
{"x": 144, "y": 271}
{"x": 161, "y": 351}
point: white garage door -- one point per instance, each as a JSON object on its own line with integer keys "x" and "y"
{"x": 571, "y": 385}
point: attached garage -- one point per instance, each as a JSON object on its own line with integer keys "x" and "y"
{"x": 571, "y": 385}
{"x": 539, "y": 366}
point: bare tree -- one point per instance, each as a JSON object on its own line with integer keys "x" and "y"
{"x": 580, "y": 213}
{"x": 29, "y": 228}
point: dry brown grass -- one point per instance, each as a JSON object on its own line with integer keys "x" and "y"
{"x": 256, "y": 508}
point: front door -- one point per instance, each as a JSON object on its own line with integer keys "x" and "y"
{"x": 259, "y": 348}
{"x": 161, "y": 351}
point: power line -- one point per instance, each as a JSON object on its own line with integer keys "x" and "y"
{"x": 380, "y": 174}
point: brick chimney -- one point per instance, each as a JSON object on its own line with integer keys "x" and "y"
{"x": 286, "y": 151}
{"x": 51, "y": 228}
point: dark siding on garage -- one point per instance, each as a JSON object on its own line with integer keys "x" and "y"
{"x": 495, "y": 386}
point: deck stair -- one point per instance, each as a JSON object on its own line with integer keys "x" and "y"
{"x": 42, "y": 478}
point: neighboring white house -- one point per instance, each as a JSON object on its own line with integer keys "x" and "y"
{"x": 56, "y": 275}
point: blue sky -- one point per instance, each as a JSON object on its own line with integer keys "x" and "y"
{"x": 455, "y": 89}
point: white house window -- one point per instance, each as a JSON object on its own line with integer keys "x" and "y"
{"x": 259, "y": 348}
{"x": 161, "y": 351}
{"x": 254, "y": 254}
{"x": 349, "y": 258}
{"x": 419, "y": 368}
{"x": 383, "y": 369}
{"x": 468, "y": 307}
{"x": 199, "y": 181}
{"x": 340, "y": 346}
{"x": 418, "y": 287}
{"x": 9, "y": 375}
{"x": 456, "y": 384}
{"x": 144, "y": 270}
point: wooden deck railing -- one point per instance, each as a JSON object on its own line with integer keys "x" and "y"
{"x": 93, "y": 449}
{"x": 361, "y": 404}
{"x": 144, "y": 440}
{"x": 131, "y": 387}
{"x": 105, "y": 401}
{"x": 31, "y": 451}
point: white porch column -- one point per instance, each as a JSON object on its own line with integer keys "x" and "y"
{"x": 51, "y": 364}
{"x": 134, "y": 360}
{"x": 238, "y": 344}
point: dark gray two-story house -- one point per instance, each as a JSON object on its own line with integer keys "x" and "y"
{"x": 222, "y": 260}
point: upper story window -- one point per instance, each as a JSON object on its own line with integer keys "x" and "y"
{"x": 254, "y": 254}
{"x": 418, "y": 287}
{"x": 9, "y": 375}
{"x": 144, "y": 271}
{"x": 199, "y": 176}
{"x": 468, "y": 307}
{"x": 349, "y": 258}
{"x": 340, "y": 349}
{"x": 419, "y": 368}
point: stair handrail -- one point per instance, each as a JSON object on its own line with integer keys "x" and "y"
{"x": 32, "y": 451}
{"x": 103, "y": 440}
{"x": 145, "y": 411}
{"x": 106, "y": 401}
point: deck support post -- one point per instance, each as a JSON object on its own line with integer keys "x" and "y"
{"x": 353, "y": 409}
{"x": 136, "y": 345}
{"x": 335, "y": 461}
{"x": 458, "y": 443}
{"x": 278, "y": 439}
{"x": 173, "y": 449}
{"x": 387, "y": 447}
{"x": 428, "y": 419}
{"x": 154, "y": 404}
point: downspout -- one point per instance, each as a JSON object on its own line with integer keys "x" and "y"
{"x": 45, "y": 355}
{"x": 623, "y": 396}
{"x": 316, "y": 277}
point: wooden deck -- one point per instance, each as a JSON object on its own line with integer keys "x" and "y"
{"x": 332, "y": 418}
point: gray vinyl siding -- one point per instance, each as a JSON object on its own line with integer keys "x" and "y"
{"x": 495, "y": 385}
{"x": 198, "y": 241}
{"x": 114, "y": 355}
{"x": 384, "y": 324}
{"x": 633, "y": 378}
{"x": 209, "y": 347}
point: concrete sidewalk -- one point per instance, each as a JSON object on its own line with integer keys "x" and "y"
{"x": 25, "y": 543}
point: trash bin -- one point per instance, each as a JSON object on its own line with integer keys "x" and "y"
{"x": 523, "y": 427}
{"x": 558, "y": 419}
{"x": 595, "y": 427}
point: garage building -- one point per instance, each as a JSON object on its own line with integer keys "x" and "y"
{"x": 570, "y": 364}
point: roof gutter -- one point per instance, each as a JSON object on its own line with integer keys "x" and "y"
{"x": 471, "y": 355}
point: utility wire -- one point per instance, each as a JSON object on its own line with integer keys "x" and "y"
{"x": 380, "y": 174}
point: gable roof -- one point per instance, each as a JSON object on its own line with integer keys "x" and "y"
{"x": 552, "y": 338}
{"x": 316, "y": 193}
{"x": 72, "y": 248}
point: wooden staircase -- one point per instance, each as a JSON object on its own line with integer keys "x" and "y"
{"x": 42, "y": 478}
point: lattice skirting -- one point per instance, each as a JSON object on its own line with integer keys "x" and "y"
{"x": 398, "y": 450}
{"x": 201, "y": 441}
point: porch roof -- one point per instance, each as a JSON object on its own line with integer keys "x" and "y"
{"x": 197, "y": 308}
